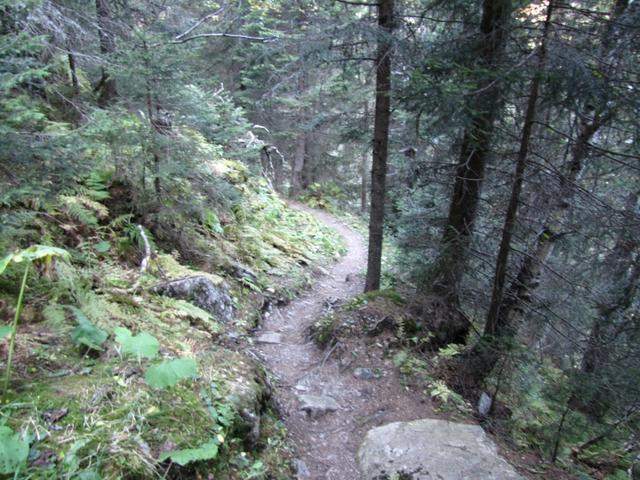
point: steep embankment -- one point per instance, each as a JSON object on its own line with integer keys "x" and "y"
{"x": 128, "y": 372}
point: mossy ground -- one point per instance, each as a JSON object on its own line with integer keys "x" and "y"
{"x": 90, "y": 413}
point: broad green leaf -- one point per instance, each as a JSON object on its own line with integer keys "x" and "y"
{"x": 102, "y": 247}
{"x": 89, "y": 335}
{"x": 34, "y": 252}
{"x": 5, "y": 330}
{"x": 13, "y": 450}
{"x": 88, "y": 475}
{"x": 208, "y": 451}
{"x": 39, "y": 252}
{"x": 212, "y": 221}
{"x": 142, "y": 345}
{"x": 169, "y": 373}
{"x": 5, "y": 261}
{"x": 86, "y": 333}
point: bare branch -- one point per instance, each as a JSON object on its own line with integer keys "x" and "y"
{"x": 199, "y": 22}
{"x": 362, "y": 4}
{"x": 227, "y": 35}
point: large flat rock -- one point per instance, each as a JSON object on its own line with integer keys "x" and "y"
{"x": 432, "y": 449}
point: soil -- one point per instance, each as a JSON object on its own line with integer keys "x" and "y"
{"x": 328, "y": 445}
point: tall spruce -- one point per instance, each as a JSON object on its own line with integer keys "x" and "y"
{"x": 382, "y": 116}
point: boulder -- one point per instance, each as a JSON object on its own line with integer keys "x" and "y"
{"x": 431, "y": 449}
{"x": 202, "y": 292}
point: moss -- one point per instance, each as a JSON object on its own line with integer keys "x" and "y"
{"x": 368, "y": 297}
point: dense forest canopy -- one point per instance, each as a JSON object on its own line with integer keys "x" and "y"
{"x": 491, "y": 146}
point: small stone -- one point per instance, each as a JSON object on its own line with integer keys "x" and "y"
{"x": 484, "y": 405}
{"x": 301, "y": 468}
{"x": 364, "y": 373}
{"x": 269, "y": 338}
{"x": 317, "y": 405}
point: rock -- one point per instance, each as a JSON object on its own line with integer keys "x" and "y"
{"x": 269, "y": 337}
{"x": 301, "y": 468}
{"x": 202, "y": 292}
{"x": 484, "y": 404}
{"x": 246, "y": 388}
{"x": 429, "y": 449}
{"x": 364, "y": 373}
{"x": 317, "y": 405}
{"x": 243, "y": 272}
{"x": 376, "y": 327}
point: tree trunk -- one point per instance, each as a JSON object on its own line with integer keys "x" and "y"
{"x": 298, "y": 165}
{"x": 73, "y": 73}
{"x": 510, "y": 311}
{"x": 448, "y": 268}
{"x": 380, "y": 144}
{"x": 106, "y": 87}
{"x": 364, "y": 166}
{"x": 492, "y": 328}
{"x": 300, "y": 154}
{"x": 592, "y": 397}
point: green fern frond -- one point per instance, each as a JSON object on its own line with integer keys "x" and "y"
{"x": 83, "y": 209}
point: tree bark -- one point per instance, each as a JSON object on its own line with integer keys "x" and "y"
{"x": 364, "y": 166}
{"x": 298, "y": 165}
{"x": 448, "y": 268}
{"x": 380, "y": 144}
{"x": 492, "y": 327}
{"x": 592, "y": 397}
{"x": 300, "y": 154}
{"x": 106, "y": 88}
{"x": 73, "y": 73}
{"x": 510, "y": 311}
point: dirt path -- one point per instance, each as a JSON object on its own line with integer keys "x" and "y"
{"x": 326, "y": 446}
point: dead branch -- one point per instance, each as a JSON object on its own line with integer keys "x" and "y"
{"x": 199, "y": 22}
{"x": 226, "y": 35}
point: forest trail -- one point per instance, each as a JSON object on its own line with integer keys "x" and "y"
{"x": 326, "y": 446}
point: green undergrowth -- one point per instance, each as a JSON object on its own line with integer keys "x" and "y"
{"x": 112, "y": 381}
{"x": 378, "y": 324}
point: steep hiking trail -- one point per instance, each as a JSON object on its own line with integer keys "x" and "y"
{"x": 330, "y": 408}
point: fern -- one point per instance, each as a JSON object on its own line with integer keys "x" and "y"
{"x": 83, "y": 209}
{"x": 96, "y": 185}
{"x": 54, "y": 315}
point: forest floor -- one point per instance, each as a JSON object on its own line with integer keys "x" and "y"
{"x": 326, "y": 446}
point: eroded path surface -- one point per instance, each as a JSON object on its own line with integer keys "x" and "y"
{"x": 327, "y": 444}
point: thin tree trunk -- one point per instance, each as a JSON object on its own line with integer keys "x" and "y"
{"x": 364, "y": 166}
{"x": 492, "y": 327}
{"x": 448, "y": 268}
{"x": 510, "y": 312}
{"x": 73, "y": 73}
{"x": 380, "y": 144}
{"x": 299, "y": 157}
{"x": 106, "y": 88}
{"x": 298, "y": 164}
{"x": 591, "y": 396}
